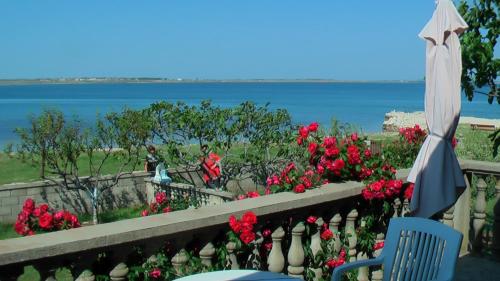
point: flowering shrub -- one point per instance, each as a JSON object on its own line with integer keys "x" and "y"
{"x": 42, "y": 218}
{"x": 163, "y": 204}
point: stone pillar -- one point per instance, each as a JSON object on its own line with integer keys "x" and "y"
{"x": 334, "y": 227}
{"x": 119, "y": 272}
{"x": 231, "y": 247}
{"x": 396, "y": 206}
{"x": 350, "y": 229}
{"x": 86, "y": 275}
{"x": 496, "y": 222}
{"x": 316, "y": 246}
{"x": 179, "y": 261}
{"x": 406, "y": 208}
{"x": 448, "y": 216}
{"x": 479, "y": 214}
{"x": 276, "y": 260}
{"x": 296, "y": 252}
{"x": 207, "y": 253}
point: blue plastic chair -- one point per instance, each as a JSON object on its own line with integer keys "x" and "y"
{"x": 414, "y": 249}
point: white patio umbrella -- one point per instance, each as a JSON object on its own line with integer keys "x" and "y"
{"x": 436, "y": 173}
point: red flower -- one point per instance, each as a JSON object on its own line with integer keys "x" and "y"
{"x": 247, "y": 237}
{"x": 59, "y": 215}
{"x": 454, "y": 142}
{"x": 320, "y": 169}
{"x": 145, "y": 213}
{"x": 44, "y": 208}
{"x": 329, "y": 141}
{"x": 234, "y": 224}
{"x": 299, "y": 188}
{"x": 167, "y": 209}
{"x": 21, "y": 228}
{"x": 331, "y": 263}
{"x": 332, "y": 151}
{"x": 378, "y": 246}
{"x": 354, "y": 137}
{"x": 160, "y": 197}
{"x": 37, "y": 212}
{"x": 266, "y": 232}
{"x": 409, "y": 191}
{"x": 327, "y": 234}
{"x": 268, "y": 246}
{"x": 368, "y": 153}
{"x": 249, "y": 217}
{"x": 74, "y": 221}
{"x": 311, "y": 219}
{"x": 300, "y": 140}
{"x": 313, "y": 127}
{"x": 312, "y": 148}
{"x": 252, "y": 194}
{"x": 45, "y": 221}
{"x": 29, "y": 205}
{"x": 156, "y": 273}
{"x": 303, "y": 132}
{"x": 241, "y": 197}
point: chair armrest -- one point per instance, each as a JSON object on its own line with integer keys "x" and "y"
{"x": 337, "y": 272}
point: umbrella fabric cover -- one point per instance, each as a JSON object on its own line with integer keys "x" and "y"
{"x": 436, "y": 173}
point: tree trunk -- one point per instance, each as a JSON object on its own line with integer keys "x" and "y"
{"x": 94, "y": 206}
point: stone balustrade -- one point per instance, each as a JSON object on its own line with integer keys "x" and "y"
{"x": 197, "y": 195}
{"x": 198, "y": 234}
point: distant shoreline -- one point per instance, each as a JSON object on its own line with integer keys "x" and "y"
{"x": 76, "y": 81}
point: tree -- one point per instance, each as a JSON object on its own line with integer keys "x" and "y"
{"x": 480, "y": 66}
{"x": 63, "y": 145}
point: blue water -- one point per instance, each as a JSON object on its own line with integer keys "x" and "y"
{"x": 361, "y": 104}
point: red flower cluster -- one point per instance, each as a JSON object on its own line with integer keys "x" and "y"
{"x": 250, "y": 194}
{"x": 42, "y": 218}
{"x": 161, "y": 205}
{"x": 413, "y": 135}
{"x": 291, "y": 179}
{"x": 332, "y": 263}
{"x": 304, "y": 132}
{"x": 382, "y": 189}
{"x": 244, "y": 227}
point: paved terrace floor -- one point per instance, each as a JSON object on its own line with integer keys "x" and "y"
{"x": 471, "y": 268}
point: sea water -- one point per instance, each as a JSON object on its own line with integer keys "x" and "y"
{"x": 361, "y": 104}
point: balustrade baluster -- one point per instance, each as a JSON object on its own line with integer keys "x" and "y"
{"x": 377, "y": 275}
{"x": 334, "y": 227}
{"x": 256, "y": 261}
{"x": 276, "y": 260}
{"x": 296, "y": 252}
{"x": 448, "y": 216}
{"x": 406, "y": 208}
{"x": 86, "y": 275}
{"x": 316, "y": 246}
{"x": 363, "y": 272}
{"x": 179, "y": 261}
{"x": 396, "y": 205}
{"x": 380, "y": 238}
{"x": 479, "y": 214}
{"x": 119, "y": 272}
{"x": 231, "y": 247}
{"x": 351, "y": 233}
{"x": 207, "y": 253}
{"x": 496, "y": 222}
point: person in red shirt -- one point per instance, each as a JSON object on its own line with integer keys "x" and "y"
{"x": 210, "y": 164}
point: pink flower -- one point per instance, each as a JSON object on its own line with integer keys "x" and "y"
{"x": 155, "y": 273}
{"x": 29, "y": 205}
{"x": 313, "y": 127}
{"x": 368, "y": 153}
{"x": 45, "y": 221}
{"x": 266, "y": 232}
{"x": 145, "y": 213}
{"x": 167, "y": 209}
{"x": 268, "y": 246}
{"x": 354, "y": 137}
{"x": 300, "y": 188}
{"x": 303, "y": 132}
{"x": 160, "y": 197}
{"x": 327, "y": 234}
{"x": 59, "y": 215}
{"x": 241, "y": 197}
{"x": 378, "y": 246}
{"x": 311, "y": 219}
{"x": 312, "y": 148}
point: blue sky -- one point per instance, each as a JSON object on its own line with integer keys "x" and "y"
{"x": 216, "y": 39}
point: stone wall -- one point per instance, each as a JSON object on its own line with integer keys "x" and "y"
{"x": 130, "y": 190}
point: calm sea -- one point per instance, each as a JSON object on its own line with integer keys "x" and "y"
{"x": 361, "y": 104}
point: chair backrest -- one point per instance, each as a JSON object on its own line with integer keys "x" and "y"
{"x": 420, "y": 249}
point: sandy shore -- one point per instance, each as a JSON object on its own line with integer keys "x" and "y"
{"x": 396, "y": 119}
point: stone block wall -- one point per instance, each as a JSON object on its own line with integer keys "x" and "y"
{"x": 130, "y": 190}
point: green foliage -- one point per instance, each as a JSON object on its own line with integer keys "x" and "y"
{"x": 480, "y": 67}
{"x": 263, "y": 134}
